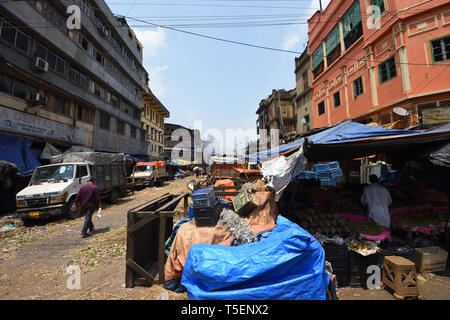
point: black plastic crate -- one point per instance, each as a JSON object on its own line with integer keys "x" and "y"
{"x": 338, "y": 256}
{"x": 387, "y": 246}
{"x": 208, "y": 216}
{"x": 359, "y": 265}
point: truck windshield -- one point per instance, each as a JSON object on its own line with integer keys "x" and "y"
{"x": 143, "y": 168}
{"x": 52, "y": 174}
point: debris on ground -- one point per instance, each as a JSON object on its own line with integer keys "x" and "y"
{"x": 156, "y": 292}
{"x": 100, "y": 248}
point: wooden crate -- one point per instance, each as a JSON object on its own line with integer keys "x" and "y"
{"x": 148, "y": 228}
{"x": 430, "y": 259}
{"x": 243, "y": 202}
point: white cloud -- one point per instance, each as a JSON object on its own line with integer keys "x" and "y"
{"x": 292, "y": 41}
{"x": 156, "y": 80}
{"x": 152, "y": 40}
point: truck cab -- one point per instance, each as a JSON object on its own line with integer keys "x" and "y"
{"x": 52, "y": 190}
{"x": 147, "y": 174}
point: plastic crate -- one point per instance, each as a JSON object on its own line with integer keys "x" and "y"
{"x": 333, "y": 165}
{"x": 323, "y": 175}
{"x": 358, "y": 267}
{"x": 305, "y": 175}
{"x": 388, "y": 249}
{"x": 320, "y": 167}
{"x": 203, "y": 198}
{"x": 327, "y": 182}
{"x": 207, "y": 217}
{"x": 335, "y": 173}
{"x": 338, "y": 256}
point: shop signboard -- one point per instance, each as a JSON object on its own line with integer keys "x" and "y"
{"x": 27, "y": 124}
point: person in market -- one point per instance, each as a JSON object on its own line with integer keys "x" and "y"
{"x": 377, "y": 199}
{"x": 89, "y": 198}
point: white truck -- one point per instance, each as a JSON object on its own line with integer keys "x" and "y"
{"x": 53, "y": 188}
{"x": 148, "y": 174}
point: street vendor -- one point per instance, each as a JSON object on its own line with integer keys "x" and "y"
{"x": 377, "y": 199}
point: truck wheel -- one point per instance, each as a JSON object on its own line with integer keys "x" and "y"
{"x": 73, "y": 214}
{"x": 151, "y": 184}
{"x": 114, "y": 196}
{"x": 27, "y": 222}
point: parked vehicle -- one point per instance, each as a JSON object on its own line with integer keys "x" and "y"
{"x": 148, "y": 174}
{"x": 53, "y": 188}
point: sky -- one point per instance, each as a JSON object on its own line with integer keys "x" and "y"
{"x": 214, "y": 85}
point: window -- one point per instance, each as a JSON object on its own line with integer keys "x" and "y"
{"x": 60, "y": 105}
{"x": 318, "y": 61}
{"x": 82, "y": 42}
{"x": 80, "y": 113}
{"x": 387, "y": 70}
{"x": 82, "y": 171}
{"x": 6, "y": 84}
{"x": 440, "y": 49}
{"x": 321, "y": 108}
{"x": 133, "y": 132}
{"x": 105, "y": 121}
{"x": 19, "y": 90}
{"x": 97, "y": 55}
{"x": 120, "y": 127}
{"x": 352, "y": 25}
{"x": 114, "y": 101}
{"x": 78, "y": 78}
{"x": 53, "y": 15}
{"x": 305, "y": 80}
{"x": 84, "y": 5}
{"x": 333, "y": 45}
{"x": 358, "y": 87}
{"x": 8, "y": 33}
{"x": 99, "y": 91}
{"x": 55, "y": 62}
{"x": 337, "y": 99}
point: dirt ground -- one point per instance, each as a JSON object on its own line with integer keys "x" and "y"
{"x": 38, "y": 262}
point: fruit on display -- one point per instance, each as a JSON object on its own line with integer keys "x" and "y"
{"x": 423, "y": 219}
{"x": 366, "y": 227}
{"x": 344, "y": 205}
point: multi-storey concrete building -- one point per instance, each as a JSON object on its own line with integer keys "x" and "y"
{"x": 70, "y": 87}
{"x": 153, "y": 117}
{"x": 276, "y": 112}
{"x": 303, "y": 97}
{"x": 182, "y": 143}
{"x": 388, "y": 67}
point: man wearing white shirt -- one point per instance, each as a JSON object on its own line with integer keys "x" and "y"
{"x": 377, "y": 199}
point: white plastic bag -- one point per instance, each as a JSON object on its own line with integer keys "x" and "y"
{"x": 99, "y": 213}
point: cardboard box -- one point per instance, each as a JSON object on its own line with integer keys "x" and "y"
{"x": 430, "y": 259}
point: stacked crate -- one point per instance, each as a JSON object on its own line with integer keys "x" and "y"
{"x": 206, "y": 207}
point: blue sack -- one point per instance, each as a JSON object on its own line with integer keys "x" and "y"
{"x": 287, "y": 265}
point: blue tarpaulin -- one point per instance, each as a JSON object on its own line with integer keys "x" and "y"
{"x": 274, "y": 151}
{"x": 287, "y": 265}
{"x": 17, "y": 150}
{"x": 349, "y": 131}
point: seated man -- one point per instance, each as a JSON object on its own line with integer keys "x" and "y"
{"x": 377, "y": 199}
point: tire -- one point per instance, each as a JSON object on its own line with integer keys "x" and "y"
{"x": 27, "y": 222}
{"x": 73, "y": 214}
{"x": 151, "y": 184}
{"x": 114, "y": 196}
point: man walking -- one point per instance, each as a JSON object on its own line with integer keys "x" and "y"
{"x": 89, "y": 197}
{"x": 377, "y": 198}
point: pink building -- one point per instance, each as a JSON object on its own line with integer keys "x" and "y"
{"x": 365, "y": 65}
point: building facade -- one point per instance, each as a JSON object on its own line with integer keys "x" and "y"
{"x": 67, "y": 87}
{"x": 153, "y": 117}
{"x": 182, "y": 143}
{"x": 276, "y": 112}
{"x": 388, "y": 67}
{"x": 303, "y": 97}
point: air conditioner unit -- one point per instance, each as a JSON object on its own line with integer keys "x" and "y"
{"x": 40, "y": 64}
{"x": 38, "y": 99}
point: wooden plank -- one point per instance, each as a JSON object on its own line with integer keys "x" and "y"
{"x": 174, "y": 201}
{"x": 185, "y": 205}
{"x": 162, "y": 240}
{"x": 142, "y": 223}
{"x": 138, "y": 269}
{"x": 143, "y": 214}
{"x": 155, "y": 200}
{"x": 129, "y": 276}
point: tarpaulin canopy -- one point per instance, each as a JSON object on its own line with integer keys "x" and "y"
{"x": 350, "y": 140}
{"x": 287, "y": 265}
{"x": 17, "y": 150}
{"x": 274, "y": 151}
